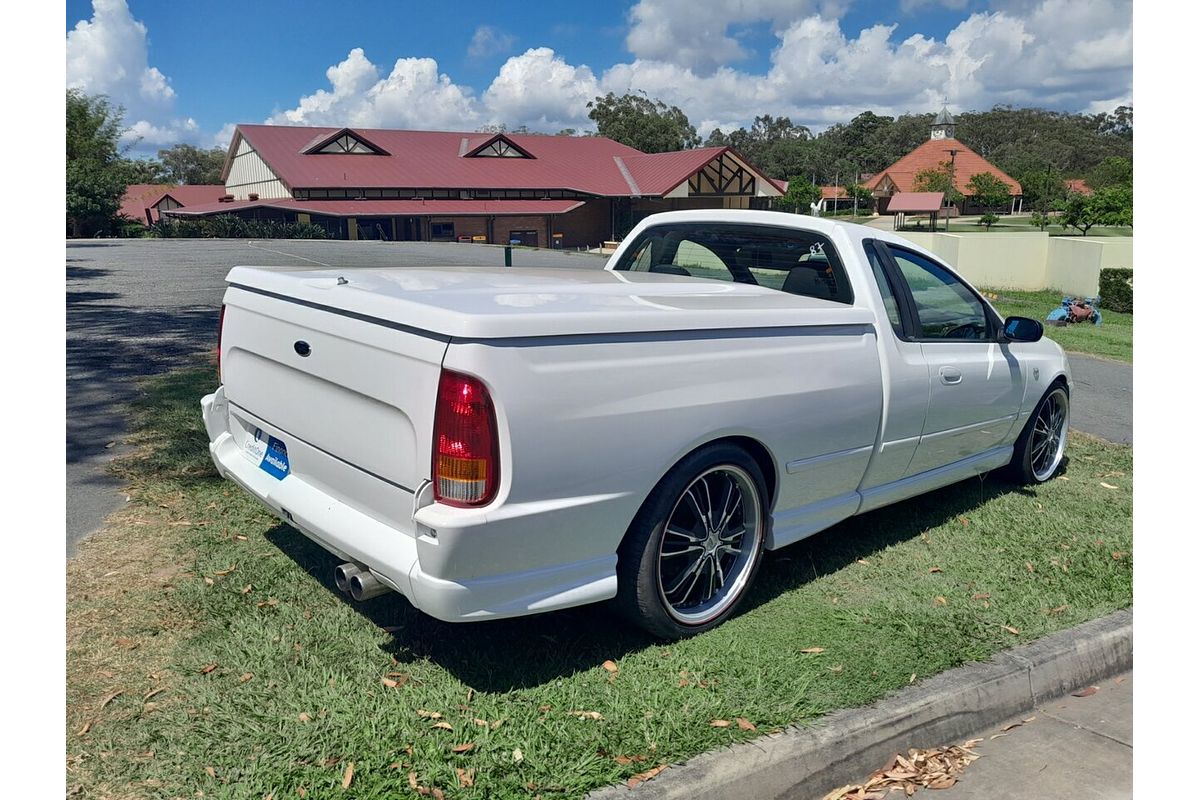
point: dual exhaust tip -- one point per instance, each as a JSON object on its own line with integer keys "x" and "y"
{"x": 357, "y": 581}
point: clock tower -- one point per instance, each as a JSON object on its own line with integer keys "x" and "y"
{"x": 943, "y": 125}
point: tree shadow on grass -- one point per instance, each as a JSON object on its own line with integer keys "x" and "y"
{"x": 525, "y": 652}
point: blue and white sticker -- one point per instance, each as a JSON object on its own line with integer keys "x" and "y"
{"x": 275, "y": 459}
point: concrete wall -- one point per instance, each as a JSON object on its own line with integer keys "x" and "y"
{"x": 1029, "y": 261}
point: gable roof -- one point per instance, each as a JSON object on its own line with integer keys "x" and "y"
{"x": 321, "y": 141}
{"x": 193, "y": 193}
{"x": 916, "y": 202}
{"x": 434, "y": 160}
{"x": 140, "y": 196}
{"x": 930, "y": 155}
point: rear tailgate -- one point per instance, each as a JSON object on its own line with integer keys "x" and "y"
{"x": 350, "y": 397}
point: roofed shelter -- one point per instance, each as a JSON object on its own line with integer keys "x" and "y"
{"x": 941, "y": 148}
{"x": 904, "y": 203}
{"x": 398, "y": 185}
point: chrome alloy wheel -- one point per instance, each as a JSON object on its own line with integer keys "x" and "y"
{"x": 1048, "y": 440}
{"x": 709, "y": 545}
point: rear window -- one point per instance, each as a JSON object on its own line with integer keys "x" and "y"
{"x": 792, "y": 261}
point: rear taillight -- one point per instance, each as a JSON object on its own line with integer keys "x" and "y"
{"x": 220, "y": 330}
{"x": 466, "y": 452}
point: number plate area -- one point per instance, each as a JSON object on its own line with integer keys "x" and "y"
{"x": 269, "y": 453}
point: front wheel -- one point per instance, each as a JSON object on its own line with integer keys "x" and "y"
{"x": 694, "y": 548}
{"x": 1040, "y": 449}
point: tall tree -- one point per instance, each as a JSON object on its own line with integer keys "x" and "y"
{"x": 185, "y": 163}
{"x": 95, "y": 179}
{"x": 647, "y": 125}
{"x": 988, "y": 190}
{"x": 1112, "y": 171}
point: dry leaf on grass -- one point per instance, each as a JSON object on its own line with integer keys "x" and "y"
{"x": 719, "y": 723}
{"x": 980, "y": 596}
{"x": 226, "y": 571}
{"x": 1010, "y": 629}
{"x": 446, "y": 726}
{"x": 1088, "y": 692}
{"x": 586, "y": 714}
{"x": 245, "y": 676}
{"x": 611, "y": 667}
{"x": 153, "y": 692}
{"x": 745, "y": 724}
{"x": 108, "y": 698}
{"x": 348, "y": 776}
{"x": 466, "y": 747}
{"x": 813, "y": 650}
{"x": 627, "y": 760}
{"x": 932, "y": 570}
{"x": 304, "y": 717}
{"x": 517, "y": 755}
{"x": 212, "y": 773}
{"x": 1107, "y": 485}
{"x": 863, "y": 561}
{"x": 939, "y": 601}
{"x": 207, "y": 668}
{"x": 642, "y": 777}
{"x": 389, "y": 683}
{"x": 428, "y": 714}
{"x": 466, "y": 777}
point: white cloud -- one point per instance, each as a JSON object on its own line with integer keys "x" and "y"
{"x": 488, "y": 41}
{"x": 108, "y": 55}
{"x": 539, "y": 89}
{"x": 152, "y": 136}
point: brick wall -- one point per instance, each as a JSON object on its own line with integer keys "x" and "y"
{"x": 463, "y": 226}
{"x": 504, "y": 226}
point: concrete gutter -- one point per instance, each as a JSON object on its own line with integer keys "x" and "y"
{"x": 846, "y": 746}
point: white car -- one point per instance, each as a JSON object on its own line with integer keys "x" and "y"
{"x": 492, "y": 442}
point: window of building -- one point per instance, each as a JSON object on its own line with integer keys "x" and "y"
{"x": 441, "y": 230}
{"x": 499, "y": 146}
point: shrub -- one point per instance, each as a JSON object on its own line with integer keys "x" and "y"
{"x": 1116, "y": 289}
{"x": 227, "y": 226}
{"x": 988, "y": 220}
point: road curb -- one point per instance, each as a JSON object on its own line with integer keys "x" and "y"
{"x": 805, "y": 763}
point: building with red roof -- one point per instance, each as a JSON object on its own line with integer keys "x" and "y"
{"x": 941, "y": 148}
{"x": 145, "y": 201}
{"x": 565, "y": 191}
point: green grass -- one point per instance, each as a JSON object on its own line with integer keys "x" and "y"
{"x": 1113, "y": 339}
{"x": 194, "y": 587}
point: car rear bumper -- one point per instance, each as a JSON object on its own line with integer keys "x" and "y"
{"x": 392, "y": 550}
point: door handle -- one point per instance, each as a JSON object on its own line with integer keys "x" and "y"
{"x": 950, "y": 375}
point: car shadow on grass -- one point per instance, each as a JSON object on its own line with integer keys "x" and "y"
{"x": 526, "y": 652}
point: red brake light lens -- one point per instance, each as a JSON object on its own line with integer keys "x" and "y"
{"x": 466, "y": 451}
{"x": 220, "y": 330}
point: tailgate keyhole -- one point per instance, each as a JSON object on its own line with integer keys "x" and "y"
{"x": 302, "y": 349}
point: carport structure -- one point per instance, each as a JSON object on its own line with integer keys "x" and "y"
{"x": 903, "y": 203}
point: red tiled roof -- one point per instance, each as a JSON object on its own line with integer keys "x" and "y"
{"x": 430, "y": 159}
{"x": 387, "y": 208}
{"x": 916, "y": 202}
{"x": 433, "y": 159}
{"x": 833, "y": 193}
{"x": 1077, "y": 185}
{"x": 140, "y": 196}
{"x": 194, "y": 194}
{"x": 930, "y": 155}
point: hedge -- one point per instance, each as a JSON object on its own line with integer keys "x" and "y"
{"x": 1116, "y": 289}
{"x": 227, "y": 226}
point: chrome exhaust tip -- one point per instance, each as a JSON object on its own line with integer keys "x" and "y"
{"x": 342, "y": 574}
{"x": 364, "y": 586}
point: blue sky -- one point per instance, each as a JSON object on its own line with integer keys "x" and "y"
{"x": 186, "y": 72}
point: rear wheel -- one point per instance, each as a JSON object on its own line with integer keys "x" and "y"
{"x": 1042, "y": 445}
{"x": 694, "y": 548}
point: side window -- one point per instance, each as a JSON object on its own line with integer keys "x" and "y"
{"x": 885, "y": 289}
{"x": 946, "y": 308}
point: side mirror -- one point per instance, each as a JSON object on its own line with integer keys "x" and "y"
{"x": 1022, "y": 329}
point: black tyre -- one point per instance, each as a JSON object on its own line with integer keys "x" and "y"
{"x": 694, "y": 547}
{"x": 1042, "y": 445}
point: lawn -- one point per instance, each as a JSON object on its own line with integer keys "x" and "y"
{"x": 1113, "y": 339}
{"x": 209, "y": 653}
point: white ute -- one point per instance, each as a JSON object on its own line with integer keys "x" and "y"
{"x": 491, "y": 442}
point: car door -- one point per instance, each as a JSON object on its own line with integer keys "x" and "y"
{"x": 976, "y": 383}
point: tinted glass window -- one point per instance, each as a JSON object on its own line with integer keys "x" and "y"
{"x": 946, "y": 308}
{"x": 797, "y": 262}
{"x": 885, "y": 289}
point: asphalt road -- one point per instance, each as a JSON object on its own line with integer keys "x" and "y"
{"x": 144, "y": 306}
